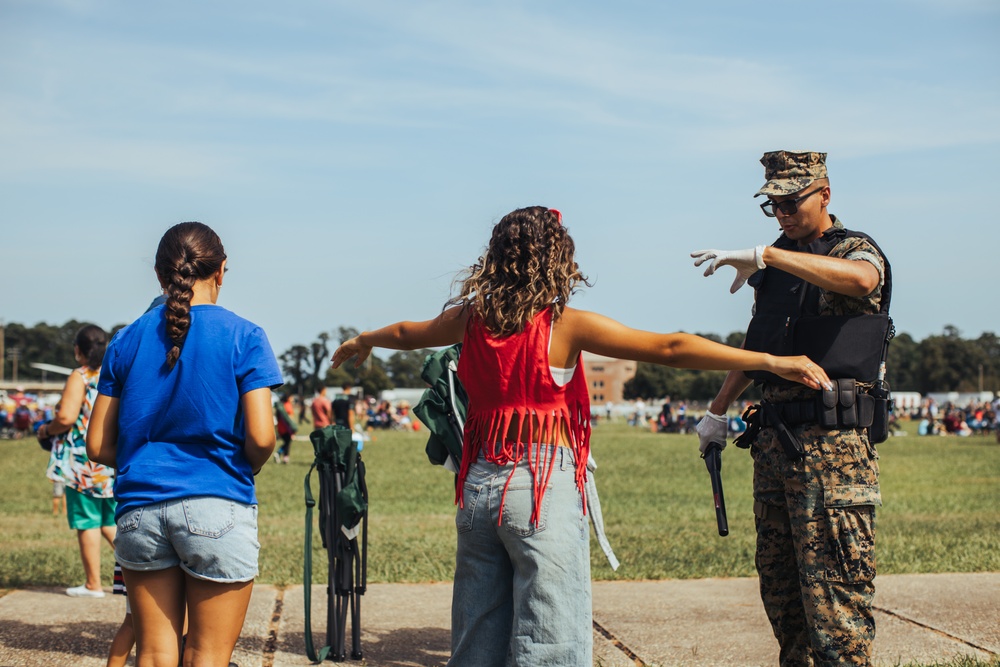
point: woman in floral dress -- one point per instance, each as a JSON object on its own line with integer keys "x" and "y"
{"x": 90, "y": 503}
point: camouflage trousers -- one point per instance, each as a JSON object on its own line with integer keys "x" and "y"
{"x": 816, "y": 544}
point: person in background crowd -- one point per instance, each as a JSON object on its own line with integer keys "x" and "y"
{"x": 322, "y": 409}
{"x": 302, "y": 408}
{"x": 90, "y": 503}
{"x": 284, "y": 410}
{"x": 58, "y": 498}
{"x": 343, "y": 407}
{"x": 124, "y": 640}
{"x": 640, "y": 412}
{"x": 23, "y": 418}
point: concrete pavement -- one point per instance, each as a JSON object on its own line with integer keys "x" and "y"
{"x": 922, "y": 618}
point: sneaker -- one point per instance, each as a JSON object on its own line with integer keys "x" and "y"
{"x": 83, "y": 592}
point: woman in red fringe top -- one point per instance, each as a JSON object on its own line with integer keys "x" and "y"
{"x": 522, "y": 577}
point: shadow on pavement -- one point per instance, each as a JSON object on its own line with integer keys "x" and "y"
{"x": 79, "y": 638}
{"x": 405, "y": 647}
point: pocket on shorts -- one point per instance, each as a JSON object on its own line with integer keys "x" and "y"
{"x": 466, "y": 512}
{"x": 850, "y": 533}
{"x": 130, "y": 520}
{"x": 518, "y": 507}
{"x": 209, "y": 517}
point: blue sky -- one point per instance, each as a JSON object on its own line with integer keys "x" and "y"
{"x": 354, "y": 156}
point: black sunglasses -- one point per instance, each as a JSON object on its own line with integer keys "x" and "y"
{"x": 787, "y": 207}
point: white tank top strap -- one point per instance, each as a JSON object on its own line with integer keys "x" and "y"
{"x": 562, "y": 376}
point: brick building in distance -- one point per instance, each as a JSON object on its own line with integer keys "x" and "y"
{"x": 606, "y": 378}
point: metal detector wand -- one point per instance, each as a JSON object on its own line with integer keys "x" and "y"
{"x": 713, "y": 461}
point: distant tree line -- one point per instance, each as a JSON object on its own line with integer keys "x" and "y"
{"x": 939, "y": 363}
{"x": 42, "y": 343}
{"x": 307, "y": 367}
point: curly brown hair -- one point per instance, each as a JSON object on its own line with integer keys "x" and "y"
{"x": 188, "y": 252}
{"x": 528, "y": 266}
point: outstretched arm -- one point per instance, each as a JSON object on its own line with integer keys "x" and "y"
{"x": 447, "y": 328}
{"x": 849, "y": 277}
{"x": 581, "y": 330}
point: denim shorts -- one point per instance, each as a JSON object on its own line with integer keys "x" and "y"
{"x": 209, "y": 538}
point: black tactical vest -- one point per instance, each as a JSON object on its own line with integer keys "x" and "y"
{"x": 786, "y": 319}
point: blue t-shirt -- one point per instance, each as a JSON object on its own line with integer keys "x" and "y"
{"x": 181, "y": 432}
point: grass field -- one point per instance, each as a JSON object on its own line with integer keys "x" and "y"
{"x": 941, "y": 497}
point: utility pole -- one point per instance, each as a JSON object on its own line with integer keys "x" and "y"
{"x": 3, "y": 359}
{"x": 14, "y": 353}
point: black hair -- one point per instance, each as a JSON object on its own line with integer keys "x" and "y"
{"x": 92, "y": 341}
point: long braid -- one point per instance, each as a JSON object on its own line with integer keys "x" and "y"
{"x": 179, "y": 294}
{"x": 187, "y": 253}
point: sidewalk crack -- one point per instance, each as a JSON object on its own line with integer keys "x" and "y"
{"x": 636, "y": 660}
{"x": 960, "y": 640}
{"x": 271, "y": 645}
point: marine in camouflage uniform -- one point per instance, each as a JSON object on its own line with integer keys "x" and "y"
{"x": 815, "y": 517}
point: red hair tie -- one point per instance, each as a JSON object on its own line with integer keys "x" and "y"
{"x": 558, "y": 215}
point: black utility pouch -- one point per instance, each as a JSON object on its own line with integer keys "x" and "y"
{"x": 866, "y": 410}
{"x": 879, "y": 430}
{"x": 847, "y": 408}
{"x": 826, "y": 413}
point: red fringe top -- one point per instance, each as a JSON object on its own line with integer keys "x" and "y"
{"x": 508, "y": 380}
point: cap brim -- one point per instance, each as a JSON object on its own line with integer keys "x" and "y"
{"x": 785, "y": 186}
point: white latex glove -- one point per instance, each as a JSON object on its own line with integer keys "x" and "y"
{"x": 712, "y": 428}
{"x": 746, "y": 262}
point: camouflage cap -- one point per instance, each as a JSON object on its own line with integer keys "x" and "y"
{"x": 788, "y": 172}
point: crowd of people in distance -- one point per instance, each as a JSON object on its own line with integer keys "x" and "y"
{"x": 386, "y": 416}
{"x": 21, "y": 413}
{"x": 673, "y": 417}
{"x": 368, "y": 413}
{"x": 975, "y": 418}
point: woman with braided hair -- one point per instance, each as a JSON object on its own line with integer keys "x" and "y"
{"x": 184, "y": 415}
{"x": 522, "y": 591}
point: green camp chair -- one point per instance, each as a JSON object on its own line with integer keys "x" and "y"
{"x": 343, "y": 519}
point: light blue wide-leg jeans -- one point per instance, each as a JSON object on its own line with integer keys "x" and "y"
{"x": 522, "y": 593}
